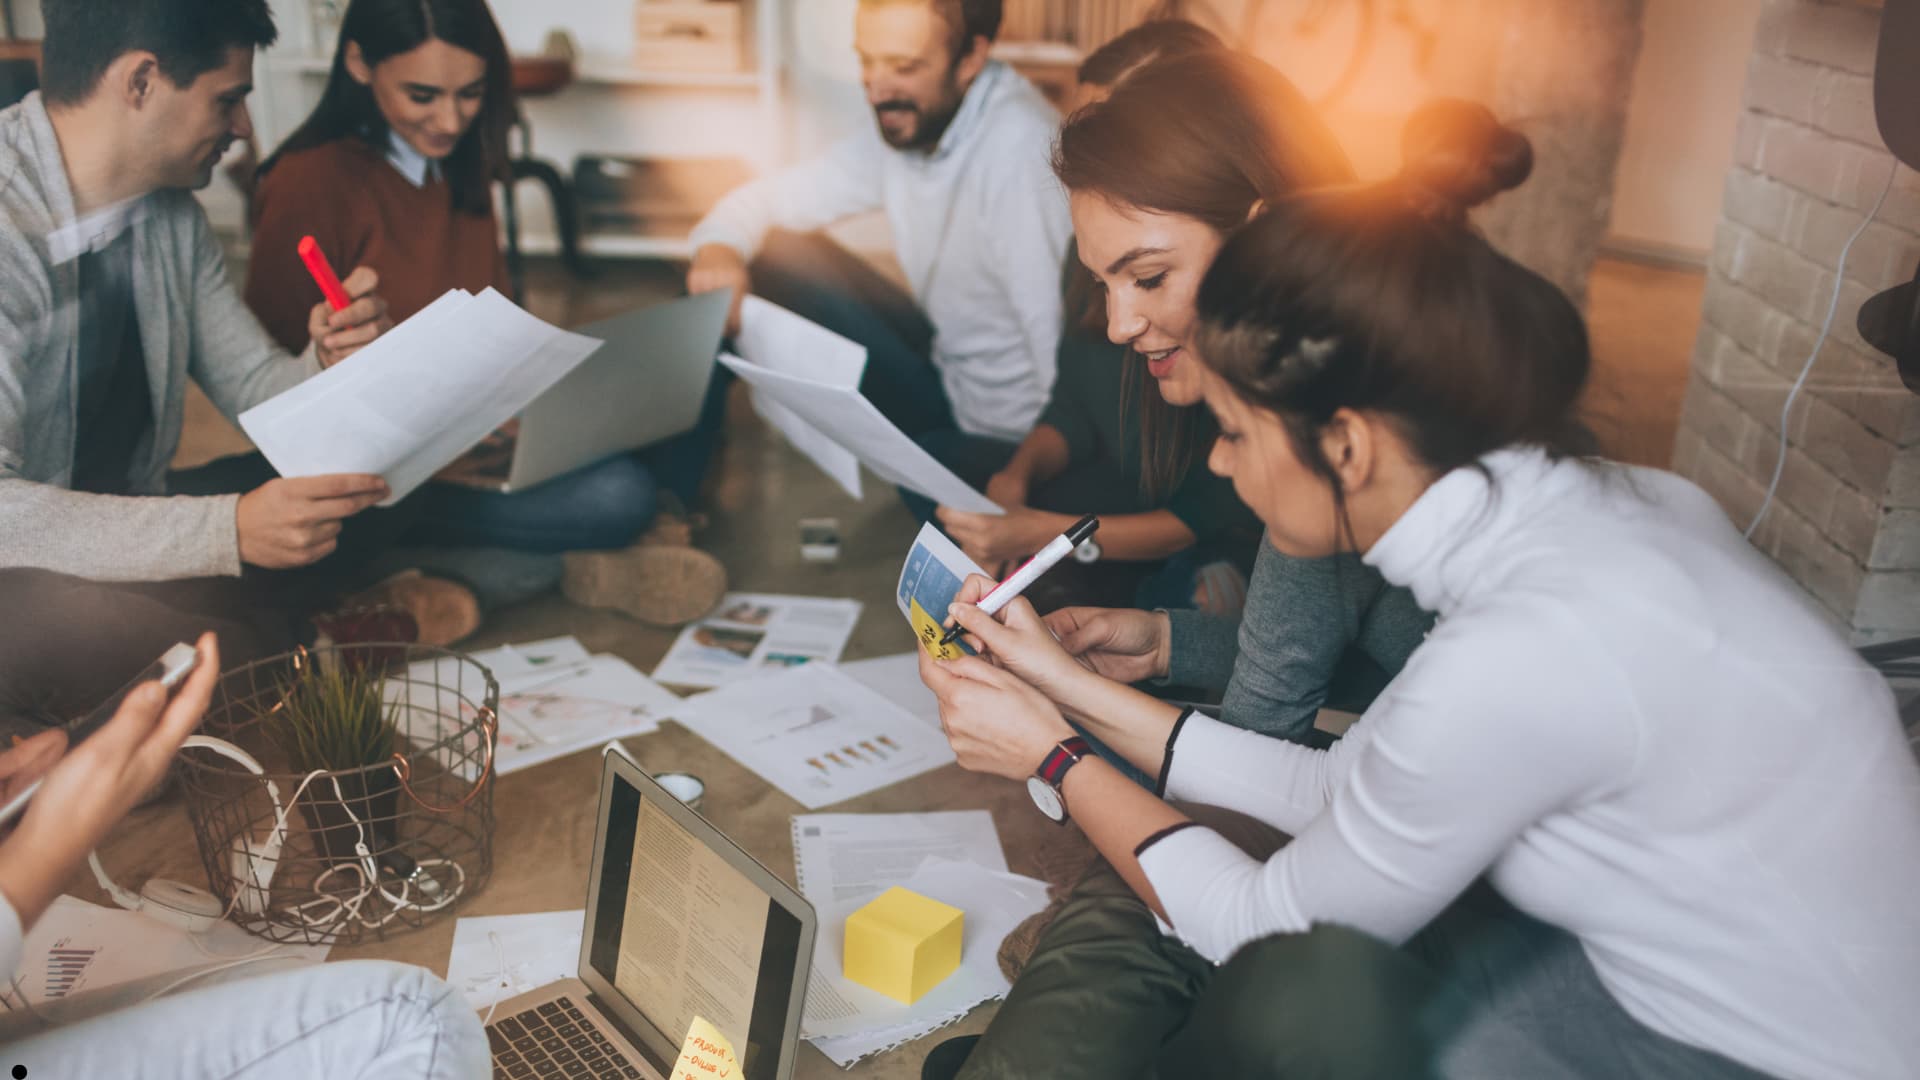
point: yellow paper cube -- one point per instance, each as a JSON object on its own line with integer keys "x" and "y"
{"x": 902, "y": 944}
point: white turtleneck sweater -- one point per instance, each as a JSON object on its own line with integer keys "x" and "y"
{"x": 1639, "y": 731}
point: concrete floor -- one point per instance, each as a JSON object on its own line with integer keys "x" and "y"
{"x": 1643, "y": 320}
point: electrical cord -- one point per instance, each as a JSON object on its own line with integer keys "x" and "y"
{"x": 506, "y": 982}
{"x": 1826, "y": 328}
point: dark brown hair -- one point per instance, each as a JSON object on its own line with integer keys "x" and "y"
{"x": 388, "y": 28}
{"x": 1155, "y": 39}
{"x": 1384, "y": 299}
{"x": 189, "y": 37}
{"x": 1208, "y": 135}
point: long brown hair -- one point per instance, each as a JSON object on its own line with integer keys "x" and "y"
{"x": 1208, "y": 135}
{"x": 1384, "y": 299}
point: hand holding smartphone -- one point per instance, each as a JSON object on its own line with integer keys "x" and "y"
{"x": 169, "y": 671}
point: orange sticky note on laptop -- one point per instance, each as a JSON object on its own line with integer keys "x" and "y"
{"x": 706, "y": 1055}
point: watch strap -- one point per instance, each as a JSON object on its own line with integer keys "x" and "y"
{"x": 1053, "y": 768}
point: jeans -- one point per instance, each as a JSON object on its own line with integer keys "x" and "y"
{"x": 341, "y": 1021}
{"x": 814, "y": 277}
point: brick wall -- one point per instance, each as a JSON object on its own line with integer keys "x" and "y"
{"x": 1808, "y": 165}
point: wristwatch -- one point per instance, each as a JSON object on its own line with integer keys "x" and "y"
{"x": 1087, "y": 551}
{"x": 1044, "y": 785}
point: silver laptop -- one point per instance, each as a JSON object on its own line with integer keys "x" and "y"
{"x": 680, "y": 922}
{"x": 646, "y": 384}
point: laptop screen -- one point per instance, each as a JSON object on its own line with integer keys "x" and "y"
{"x": 680, "y": 932}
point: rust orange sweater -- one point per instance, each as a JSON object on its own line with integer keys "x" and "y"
{"x": 350, "y": 198}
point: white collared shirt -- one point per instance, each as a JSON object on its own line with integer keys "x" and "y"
{"x": 417, "y": 167}
{"x": 980, "y": 225}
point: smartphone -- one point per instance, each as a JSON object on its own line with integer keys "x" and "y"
{"x": 169, "y": 671}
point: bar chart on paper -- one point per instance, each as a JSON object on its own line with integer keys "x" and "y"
{"x": 66, "y": 966}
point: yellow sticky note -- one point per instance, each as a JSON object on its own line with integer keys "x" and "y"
{"x": 706, "y": 1055}
{"x": 902, "y": 944}
{"x": 929, "y": 630}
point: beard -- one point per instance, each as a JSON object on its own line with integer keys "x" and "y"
{"x": 929, "y": 123}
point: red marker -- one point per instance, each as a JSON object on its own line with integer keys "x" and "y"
{"x": 323, "y": 274}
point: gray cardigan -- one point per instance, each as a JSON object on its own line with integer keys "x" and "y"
{"x": 1315, "y": 632}
{"x": 192, "y": 325}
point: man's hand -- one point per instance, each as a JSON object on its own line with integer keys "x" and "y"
{"x": 1124, "y": 645}
{"x": 717, "y": 266}
{"x": 287, "y": 523}
{"x": 339, "y": 334}
{"x": 97, "y": 782}
{"x": 1008, "y": 489}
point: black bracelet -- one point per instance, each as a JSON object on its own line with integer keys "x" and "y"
{"x": 1166, "y": 760}
{"x": 1141, "y": 849}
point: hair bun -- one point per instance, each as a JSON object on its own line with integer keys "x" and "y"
{"x": 1457, "y": 156}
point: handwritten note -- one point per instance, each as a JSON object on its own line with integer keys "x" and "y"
{"x": 706, "y": 1055}
{"x": 929, "y": 631}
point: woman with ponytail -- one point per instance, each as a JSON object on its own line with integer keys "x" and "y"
{"x": 1633, "y": 809}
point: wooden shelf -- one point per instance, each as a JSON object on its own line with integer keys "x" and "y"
{"x": 590, "y": 71}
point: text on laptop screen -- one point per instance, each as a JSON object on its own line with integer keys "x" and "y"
{"x": 681, "y": 933}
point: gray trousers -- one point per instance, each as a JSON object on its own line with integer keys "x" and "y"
{"x": 1483, "y": 993}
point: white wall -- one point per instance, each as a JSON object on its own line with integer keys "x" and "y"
{"x": 1680, "y": 124}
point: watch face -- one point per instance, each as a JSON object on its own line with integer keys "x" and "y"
{"x": 1046, "y": 798}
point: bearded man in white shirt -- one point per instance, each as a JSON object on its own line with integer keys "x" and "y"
{"x": 959, "y": 161}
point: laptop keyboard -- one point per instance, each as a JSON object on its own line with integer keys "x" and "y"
{"x": 555, "y": 1040}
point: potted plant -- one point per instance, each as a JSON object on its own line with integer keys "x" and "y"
{"x": 334, "y": 717}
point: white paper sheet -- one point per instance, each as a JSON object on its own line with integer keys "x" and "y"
{"x": 555, "y": 699}
{"x": 838, "y": 857}
{"x": 816, "y": 734}
{"x": 78, "y": 947}
{"x": 428, "y": 391}
{"x": 773, "y": 338}
{"x": 897, "y": 678}
{"x": 502, "y": 956}
{"x": 576, "y": 708}
{"x": 849, "y": 419}
{"x": 755, "y": 633}
{"x": 995, "y": 903}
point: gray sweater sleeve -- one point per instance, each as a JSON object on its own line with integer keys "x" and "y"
{"x": 1313, "y": 629}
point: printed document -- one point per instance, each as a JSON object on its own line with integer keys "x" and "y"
{"x": 757, "y": 633}
{"x": 425, "y": 393}
{"x": 842, "y": 414}
{"x": 816, "y": 734}
{"x": 775, "y": 339}
{"x": 496, "y": 957}
{"x": 930, "y": 579}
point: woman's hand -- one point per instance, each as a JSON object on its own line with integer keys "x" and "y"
{"x": 97, "y": 782}
{"x": 1019, "y": 641}
{"x": 993, "y": 540}
{"x": 337, "y": 335}
{"x": 1123, "y": 644}
{"x": 28, "y": 760}
{"x": 995, "y": 722}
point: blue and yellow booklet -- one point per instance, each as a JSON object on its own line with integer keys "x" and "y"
{"x": 929, "y": 581}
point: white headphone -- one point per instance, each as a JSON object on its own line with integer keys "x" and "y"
{"x": 251, "y": 861}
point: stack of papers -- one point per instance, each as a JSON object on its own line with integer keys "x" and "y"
{"x": 756, "y": 633}
{"x": 425, "y": 393}
{"x": 808, "y": 388}
{"x": 816, "y": 734}
{"x": 555, "y": 699}
{"x": 845, "y": 860}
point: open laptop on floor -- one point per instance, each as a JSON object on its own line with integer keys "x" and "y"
{"x": 645, "y": 385}
{"x": 680, "y": 921}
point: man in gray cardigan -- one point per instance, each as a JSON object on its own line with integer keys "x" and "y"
{"x": 113, "y": 293}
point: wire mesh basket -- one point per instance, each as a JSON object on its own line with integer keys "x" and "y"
{"x": 318, "y": 856}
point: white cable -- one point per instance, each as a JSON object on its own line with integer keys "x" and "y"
{"x": 203, "y": 973}
{"x": 1833, "y": 305}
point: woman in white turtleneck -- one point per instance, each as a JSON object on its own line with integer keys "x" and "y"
{"x": 1626, "y": 720}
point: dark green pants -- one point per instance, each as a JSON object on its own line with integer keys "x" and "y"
{"x": 1483, "y": 992}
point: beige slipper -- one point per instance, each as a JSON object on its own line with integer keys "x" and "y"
{"x": 659, "y": 585}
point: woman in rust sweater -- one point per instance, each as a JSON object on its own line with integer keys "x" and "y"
{"x": 394, "y": 170}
